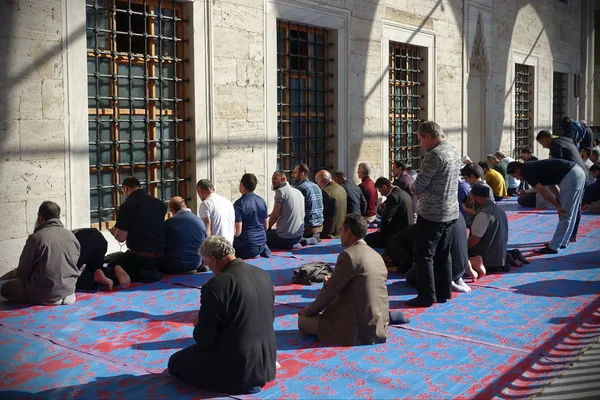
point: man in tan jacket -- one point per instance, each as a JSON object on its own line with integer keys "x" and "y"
{"x": 355, "y": 297}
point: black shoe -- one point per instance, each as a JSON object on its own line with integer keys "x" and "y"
{"x": 511, "y": 261}
{"x": 203, "y": 268}
{"x": 563, "y": 247}
{"x": 419, "y": 302}
{"x": 545, "y": 250}
{"x": 517, "y": 255}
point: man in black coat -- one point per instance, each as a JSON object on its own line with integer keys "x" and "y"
{"x": 397, "y": 213}
{"x": 356, "y": 201}
{"x": 235, "y": 341}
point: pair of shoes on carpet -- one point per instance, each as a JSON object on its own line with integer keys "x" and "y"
{"x": 398, "y": 318}
{"x": 460, "y": 286}
{"x": 517, "y": 255}
{"x": 545, "y": 250}
{"x": 420, "y": 302}
{"x": 511, "y": 261}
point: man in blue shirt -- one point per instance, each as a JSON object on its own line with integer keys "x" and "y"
{"x": 313, "y": 201}
{"x": 185, "y": 232}
{"x": 251, "y": 221}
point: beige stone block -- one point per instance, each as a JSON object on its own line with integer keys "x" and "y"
{"x": 24, "y": 59}
{"x": 238, "y": 16}
{"x": 11, "y": 251}
{"x": 366, "y": 10}
{"x": 33, "y": 205}
{"x": 231, "y": 43}
{"x": 30, "y": 99}
{"x": 256, "y": 104}
{"x": 365, "y": 46}
{"x": 53, "y": 99}
{"x": 224, "y": 69}
{"x": 258, "y": 4}
{"x": 10, "y": 144}
{"x": 14, "y": 220}
{"x": 365, "y": 28}
{"x": 42, "y": 140}
{"x": 230, "y": 102}
{"x": 250, "y": 73}
{"x": 256, "y": 47}
{"x": 32, "y": 180}
{"x": 32, "y": 19}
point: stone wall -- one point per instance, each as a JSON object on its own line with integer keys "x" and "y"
{"x": 32, "y": 132}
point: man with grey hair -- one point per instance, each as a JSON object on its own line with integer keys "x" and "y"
{"x": 235, "y": 341}
{"x": 334, "y": 204}
{"x": 368, "y": 188}
{"x": 437, "y": 211}
{"x": 494, "y": 162}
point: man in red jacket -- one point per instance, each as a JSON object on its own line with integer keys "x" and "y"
{"x": 368, "y": 188}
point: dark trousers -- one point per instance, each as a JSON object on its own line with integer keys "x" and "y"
{"x": 401, "y": 248}
{"x": 196, "y": 367}
{"x": 433, "y": 241}
{"x": 378, "y": 240}
{"x": 276, "y": 242}
{"x": 527, "y": 200}
{"x": 139, "y": 269}
{"x": 245, "y": 250}
{"x": 93, "y": 249}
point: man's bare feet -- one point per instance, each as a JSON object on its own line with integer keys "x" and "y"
{"x": 478, "y": 266}
{"x": 122, "y": 277}
{"x": 472, "y": 272}
{"x": 100, "y": 278}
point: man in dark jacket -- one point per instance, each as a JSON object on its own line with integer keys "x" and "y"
{"x": 355, "y": 200}
{"x": 334, "y": 205}
{"x": 235, "y": 341}
{"x": 397, "y": 213}
{"x": 47, "y": 271}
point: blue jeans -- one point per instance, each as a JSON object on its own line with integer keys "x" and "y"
{"x": 571, "y": 193}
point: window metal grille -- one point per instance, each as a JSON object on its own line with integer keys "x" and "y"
{"x": 405, "y": 103}
{"x": 304, "y": 96}
{"x": 523, "y": 107}
{"x": 135, "y": 101}
{"x": 559, "y": 101}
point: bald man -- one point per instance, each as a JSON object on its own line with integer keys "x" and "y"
{"x": 334, "y": 205}
{"x": 185, "y": 232}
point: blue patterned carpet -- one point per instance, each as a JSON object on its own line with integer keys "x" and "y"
{"x": 507, "y": 338}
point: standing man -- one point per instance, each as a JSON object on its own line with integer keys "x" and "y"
{"x": 397, "y": 213}
{"x": 334, "y": 205}
{"x": 251, "y": 221}
{"x": 185, "y": 232}
{"x": 313, "y": 201}
{"x": 571, "y": 180}
{"x": 287, "y": 214}
{"x": 216, "y": 211}
{"x": 141, "y": 224}
{"x": 437, "y": 210}
{"x": 368, "y": 188}
{"x": 355, "y": 198}
{"x": 355, "y": 297}
{"x": 564, "y": 149}
{"x": 235, "y": 346}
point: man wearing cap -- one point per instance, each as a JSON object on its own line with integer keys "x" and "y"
{"x": 489, "y": 231}
{"x": 570, "y": 178}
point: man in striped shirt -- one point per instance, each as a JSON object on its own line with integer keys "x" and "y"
{"x": 437, "y": 211}
{"x": 313, "y": 201}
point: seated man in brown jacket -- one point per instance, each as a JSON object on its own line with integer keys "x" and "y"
{"x": 47, "y": 271}
{"x": 355, "y": 297}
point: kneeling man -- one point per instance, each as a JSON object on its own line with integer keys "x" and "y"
{"x": 355, "y": 297}
{"x": 235, "y": 341}
{"x": 47, "y": 271}
{"x": 489, "y": 232}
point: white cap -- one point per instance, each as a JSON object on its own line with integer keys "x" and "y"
{"x": 465, "y": 159}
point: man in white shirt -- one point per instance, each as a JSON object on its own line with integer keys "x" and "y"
{"x": 215, "y": 211}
